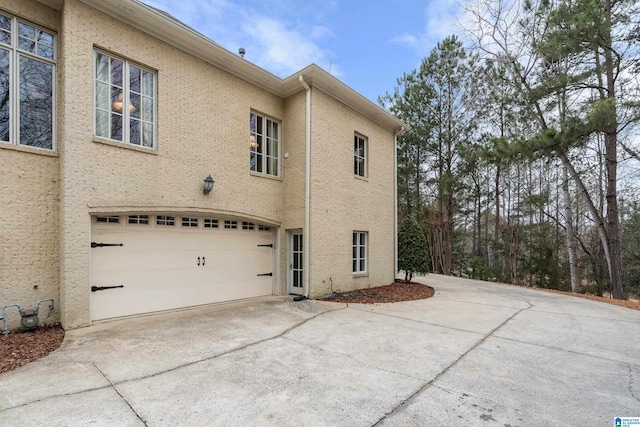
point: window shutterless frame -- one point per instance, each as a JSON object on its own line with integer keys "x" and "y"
{"x": 27, "y": 84}
{"x": 264, "y": 144}
{"x": 360, "y": 156}
{"x": 125, "y": 101}
{"x": 359, "y": 258}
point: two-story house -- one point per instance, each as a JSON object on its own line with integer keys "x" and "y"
{"x": 146, "y": 168}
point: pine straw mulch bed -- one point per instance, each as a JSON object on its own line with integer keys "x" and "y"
{"x": 633, "y": 304}
{"x": 21, "y": 347}
{"x": 395, "y": 292}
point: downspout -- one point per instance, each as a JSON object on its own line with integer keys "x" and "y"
{"x": 307, "y": 189}
{"x": 395, "y": 201}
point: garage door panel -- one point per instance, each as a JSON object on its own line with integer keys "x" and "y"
{"x": 159, "y": 269}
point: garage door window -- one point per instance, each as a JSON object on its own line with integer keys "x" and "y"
{"x": 108, "y": 219}
{"x": 231, "y": 225}
{"x": 138, "y": 219}
{"x": 189, "y": 222}
{"x": 166, "y": 220}
{"x": 210, "y": 223}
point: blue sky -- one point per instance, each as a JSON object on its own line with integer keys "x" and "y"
{"x": 367, "y": 44}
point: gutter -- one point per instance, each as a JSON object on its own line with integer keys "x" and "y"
{"x": 395, "y": 200}
{"x": 307, "y": 188}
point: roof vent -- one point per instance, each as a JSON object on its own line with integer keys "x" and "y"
{"x": 241, "y": 52}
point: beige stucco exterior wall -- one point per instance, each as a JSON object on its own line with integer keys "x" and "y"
{"x": 203, "y": 128}
{"x": 29, "y": 262}
{"x": 342, "y": 203}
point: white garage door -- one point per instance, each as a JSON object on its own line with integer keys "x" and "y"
{"x": 168, "y": 262}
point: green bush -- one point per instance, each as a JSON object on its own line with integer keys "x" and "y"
{"x": 413, "y": 252}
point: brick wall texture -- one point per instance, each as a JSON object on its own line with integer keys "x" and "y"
{"x": 48, "y": 198}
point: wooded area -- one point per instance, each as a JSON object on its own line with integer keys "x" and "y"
{"x": 522, "y": 164}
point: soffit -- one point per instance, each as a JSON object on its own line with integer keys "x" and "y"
{"x": 170, "y": 30}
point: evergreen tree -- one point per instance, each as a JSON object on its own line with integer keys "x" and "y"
{"x": 413, "y": 254}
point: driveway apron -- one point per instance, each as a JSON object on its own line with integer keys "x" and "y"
{"x": 476, "y": 353}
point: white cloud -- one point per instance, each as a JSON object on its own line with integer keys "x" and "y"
{"x": 441, "y": 20}
{"x": 279, "y": 47}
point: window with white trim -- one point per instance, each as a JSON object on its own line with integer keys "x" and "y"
{"x": 248, "y": 225}
{"x": 231, "y": 225}
{"x": 125, "y": 101}
{"x": 165, "y": 220}
{"x": 108, "y": 219}
{"x": 138, "y": 219}
{"x": 360, "y": 251}
{"x": 27, "y": 84}
{"x": 264, "y": 144}
{"x": 210, "y": 223}
{"x": 360, "y": 156}
{"x": 189, "y": 221}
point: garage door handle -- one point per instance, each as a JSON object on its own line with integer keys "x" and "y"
{"x": 198, "y": 261}
{"x": 266, "y": 274}
{"x": 270, "y": 245}
{"x": 203, "y": 261}
{"x": 102, "y": 245}
{"x": 102, "y": 288}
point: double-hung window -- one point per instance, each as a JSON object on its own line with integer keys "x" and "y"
{"x": 359, "y": 156}
{"x": 359, "y": 260}
{"x": 125, "y": 101}
{"x": 264, "y": 144}
{"x": 27, "y": 84}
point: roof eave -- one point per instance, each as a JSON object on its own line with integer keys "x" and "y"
{"x": 181, "y": 36}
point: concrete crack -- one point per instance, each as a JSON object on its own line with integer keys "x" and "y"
{"x": 425, "y": 386}
{"x": 119, "y": 394}
{"x": 354, "y": 359}
{"x": 233, "y": 350}
{"x": 631, "y": 383}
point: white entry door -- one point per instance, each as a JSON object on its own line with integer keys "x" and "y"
{"x": 295, "y": 263}
{"x": 160, "y": 267}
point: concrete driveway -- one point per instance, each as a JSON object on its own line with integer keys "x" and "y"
{"x": 474, "y": 354}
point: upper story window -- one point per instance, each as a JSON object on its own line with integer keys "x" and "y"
{"x": 264, "y": 144}
{"x": 27, "y": 84}
{"x": 360, "y": 156}
{"x": 125, "y": 101}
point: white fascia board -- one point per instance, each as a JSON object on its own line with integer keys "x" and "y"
{"x": 321, "y": 79}
{"x": 175, "y": 33}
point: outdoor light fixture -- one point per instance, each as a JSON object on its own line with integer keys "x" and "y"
{"x": 208, "y": 185}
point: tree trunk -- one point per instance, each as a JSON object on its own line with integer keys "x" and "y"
{"x": 571, "y": 247}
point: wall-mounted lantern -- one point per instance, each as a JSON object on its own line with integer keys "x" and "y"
{"x": 208, "y": 185}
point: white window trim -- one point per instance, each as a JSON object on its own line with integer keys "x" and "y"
{"x": 365, "y": 156}
{"x": 14, "y": 85}
{"x": 359, "y": 244}
{"x": 265, "y": 120}
{"x": 125, "y": 101}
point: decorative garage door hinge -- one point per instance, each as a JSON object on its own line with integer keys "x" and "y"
{"x": 102, "y": 245}
{"x": 266, "y": 274}
{"x": 270, "y": 245}
{"x": 102, "y": 288}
